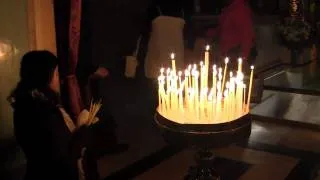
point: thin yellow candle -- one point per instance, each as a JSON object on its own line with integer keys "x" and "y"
{"x": 163, "y": 100}
{"x": 213, "y": 108}
{"x": 180, "y": 89}
{"x": 168, "y": 78}
{"x": 240, "y": 64}
{"x": 214, "y": 82}
{"x": 229, "y": 99}
{"x": 186, "y": 86}
{"x": 202, "y": 75}
{"x": 209, "y": 107}
{"x": 189, "y": 71}
{"x": 159, "y": 93}
{"x": 244, "y": 98}
{"x": 180, "y": 100}
{"x": 218, "y": 107}
{"x": 176, "y": 98}
{"x": 206, "y": 64}
{"x": 225, "y": 105}
{"x": 180, "y": 81}
{"x": 206, "y": 56}
{"x": 196, "y": 94}
{"x": 173, "y": 62}
{"x": 191, "y": 103}
{"x": 225, "y": 72}
{"x": 168, "y": 90}
{"x": 250, "y": 88}
{"x": 233, "y": 96}
{"x": 241, "y": 100}
{"x": 220, "y": 78}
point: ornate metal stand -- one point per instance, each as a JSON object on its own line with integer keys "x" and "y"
{"x": 204, "y": 169}
{"x": 204, "y": 137}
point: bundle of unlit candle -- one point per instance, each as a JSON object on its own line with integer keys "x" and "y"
{"x": 190, "y": 100}
{"x": 89, "y": 117}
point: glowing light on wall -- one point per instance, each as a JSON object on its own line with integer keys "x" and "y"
{"x": 6, "y": 50}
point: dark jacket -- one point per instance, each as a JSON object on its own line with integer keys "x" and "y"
{"x": 50, "y": 148}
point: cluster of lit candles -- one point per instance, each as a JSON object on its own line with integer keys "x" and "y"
{"x": 186, "y": 98}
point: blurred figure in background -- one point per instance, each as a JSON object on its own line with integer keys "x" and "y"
{"x": 235, "y": 32}
{"x": 166, "y": 37}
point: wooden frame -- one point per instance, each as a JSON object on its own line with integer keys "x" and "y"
{"x": 42, "y": 35}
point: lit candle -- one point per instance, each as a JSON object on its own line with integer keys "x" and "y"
{"x": 180, "y": 81}
{"x": 159, "y": 93}
{"x": 225, "y": 101}
{"x": 225, "y": 105}
{"x": 225, "y": 72}
{"x": 189, "y": 70}
{"x": 168, "y": 90}
{"x": 250, "y": 87}
{"x": 186, "y": 84}
{"x": 180, "y": 100}
{"x": 240, "y": 64}
{"x": 206, "y": 64}
{"x": 202, "y": 75}
{"x": 173, "y": 61}
{"x": 218, "y": 107}
{"x": 220, "y": 78}
{"x": 244, "y": 98}
{"x": 214, "y": 82}
{"x": 196, "y": 94}
{"x": 209, "y": 107}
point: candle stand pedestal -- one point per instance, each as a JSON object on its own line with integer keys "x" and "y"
{"x": 204, "y": 138}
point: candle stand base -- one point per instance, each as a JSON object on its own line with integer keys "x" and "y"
{"x": 204, "y": 169}
{"x": 204, "y": 138}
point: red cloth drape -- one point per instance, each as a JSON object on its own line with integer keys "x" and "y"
{"x": 75, "y": 100}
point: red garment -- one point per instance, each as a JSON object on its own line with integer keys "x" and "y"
{"x": 235, "y": 28}
{"x": 74, "y": 39}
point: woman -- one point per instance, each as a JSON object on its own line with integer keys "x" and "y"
{"x": 52, "y": 143}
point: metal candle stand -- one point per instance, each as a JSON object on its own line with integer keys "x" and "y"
{"x": 204, "y": 137}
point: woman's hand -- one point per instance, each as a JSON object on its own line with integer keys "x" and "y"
{"x": 101, "y": 72}
{"x": 85, "y": 120}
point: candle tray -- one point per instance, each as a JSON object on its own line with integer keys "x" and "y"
{"x": 204, "y": 138}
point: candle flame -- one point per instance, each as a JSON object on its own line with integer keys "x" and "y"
{"x": 240, "y": 60}
{"x": 172, "y": 56}
{"x": 226, "y": 60}
{"x": 207, "y": 47}
{"x": 251, "y": 67}
{"x": 179, "y": 73}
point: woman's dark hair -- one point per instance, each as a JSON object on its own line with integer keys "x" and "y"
{"x": 36, "y": 72}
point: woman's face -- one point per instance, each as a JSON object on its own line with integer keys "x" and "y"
{"x": 55, "y": 82}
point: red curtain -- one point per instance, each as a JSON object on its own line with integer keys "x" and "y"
{"x": 74, "y": 95}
